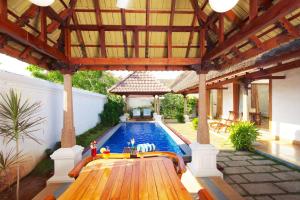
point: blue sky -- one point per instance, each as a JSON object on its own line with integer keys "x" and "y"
{"x": 13, "y": 65}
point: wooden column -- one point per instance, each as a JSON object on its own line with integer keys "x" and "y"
{"x": 203, "y": 133}
{"x": 184, "y": 104}
{"x": 208, "y": 105}
{"x": 125, "y": 99}
{"x": 219, "y": 103}
{"x": 244, "y": 87}
{"x": 68, "y": 138}
{"x": 155, "y": 105}
{"x": 236, "y": 99}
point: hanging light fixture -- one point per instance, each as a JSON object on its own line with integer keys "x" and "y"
{"x": 222, "y": 6}
{"x": 42, "y": 3}
{"x": 124, "y": 4}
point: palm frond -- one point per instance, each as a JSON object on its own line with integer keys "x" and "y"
{"x": 19, "y": 119}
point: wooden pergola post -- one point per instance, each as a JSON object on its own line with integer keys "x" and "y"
{"x": 68, "y": 138}
{"x": 236, "y": 99}
{"x": 203, "y": 132}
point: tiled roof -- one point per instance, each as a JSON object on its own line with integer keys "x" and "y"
{"x": 140, "y": 83}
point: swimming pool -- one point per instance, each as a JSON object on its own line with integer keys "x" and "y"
{"x": 143, "y": 132}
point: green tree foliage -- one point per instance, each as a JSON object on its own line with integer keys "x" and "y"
{"x": 113, "y": 109}
{"x": 172, "y": 105}
{"x": 95, "y": 81}
{"x": 242, "y": 135}
{"x": 195, "y": 123}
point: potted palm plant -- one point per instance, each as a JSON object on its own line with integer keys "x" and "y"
{"x": 19, "y": 120}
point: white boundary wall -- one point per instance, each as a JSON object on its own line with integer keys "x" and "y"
{"x": 286, "y": 106}
{"x": 87, "y": 106}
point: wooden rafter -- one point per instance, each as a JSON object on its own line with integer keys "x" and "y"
{"x": 22, "y": 36}
{"x": 151, "y": 28}
{"x": 289, "y": 27}
{"x": 276, "y": 12}
{"x": 3, "y": 9}
{"x": 124, "y": 33}
{"x": 101, "y": 32}
{"x": 136, "y": 43}
{"x": 267, "y": 45}
{"x": 27, "y": 15}
{"x": 147, "y": 32}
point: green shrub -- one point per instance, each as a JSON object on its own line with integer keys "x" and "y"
{"x": 180, "y": 118}
{"x": 242, "y": 135}
{"x": 113, "y": 109}
{"x": 195, "y": 123}
{"x": 172, "y": 105}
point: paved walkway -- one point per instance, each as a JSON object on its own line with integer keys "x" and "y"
{"x": 254, "y": 176}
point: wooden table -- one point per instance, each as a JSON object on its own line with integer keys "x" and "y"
{"x": 145, "y": 178}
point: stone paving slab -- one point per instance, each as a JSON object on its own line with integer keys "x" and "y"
{"x": 262, "y": 188}
{"x": 243, "y": 153}
{"x": 222, "y": 158}
{"x": 260, "y": 177}
{"x": 226, "y": 153}
{"x": 286, "y": 176}
{"x": 236, "y": 170}
{"x": 257, "y": 157}
{"x": 286, "y": 197}
{"x": 262, "y": 168}
{"x": 237, "y": 188}
{"x": 291, "y": 186}
{"x": 238, "y": 179}
{"x": 240, "y": 158}
{"x": 282, "y": 167}
{"x": 263, "y": 198}
{"x": 262, "y": 162}
{"x": 237, "y": 163}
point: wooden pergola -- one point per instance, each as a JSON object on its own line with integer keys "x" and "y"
{"x": 176, "y": 35}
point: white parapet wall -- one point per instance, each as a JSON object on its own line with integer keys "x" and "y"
{"x": 286, "y": 106}
{"x": 87, "y": 106}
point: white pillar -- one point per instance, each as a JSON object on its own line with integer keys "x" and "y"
{"x": 204, "y": 155}
{"x": 69, "y": 154}
{"x": 244, "y": 87}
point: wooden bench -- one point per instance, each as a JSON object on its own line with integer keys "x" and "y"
{"x": 217, "y": 188}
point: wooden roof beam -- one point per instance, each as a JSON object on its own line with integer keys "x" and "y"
{"x": 253, "y": 9}
{"x": 135, "y": 67}
{"x": 279, "y": 10}
{"x": 191, "y": 37}
{"x": 136, "y": 61}
{"x": 289, "y": 27}
{"x": 101, "y": 32}
{"x": 27, "y": 39}
{"x": 147, "y": 32}
{"x": 123, "y": 21}
{"x": 271, "y": 61}
{"x": 28, "y": 14}
{"x": 169, "y": 34}
{"x": 136, "y": 43}
{"x": 150, "y": 28}
{"x": 267, "y": 45}
{"x": 3, "y": 9}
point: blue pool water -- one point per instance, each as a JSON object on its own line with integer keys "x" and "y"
{"x": 142, "y": 132}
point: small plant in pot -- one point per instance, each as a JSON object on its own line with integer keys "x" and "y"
{"x": 242, "y": 135}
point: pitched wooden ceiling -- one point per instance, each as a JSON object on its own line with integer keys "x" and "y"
{"x": 151, "y": 35}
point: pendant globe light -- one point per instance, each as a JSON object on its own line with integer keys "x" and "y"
{"x": 222, "y": 6}
{"x": 123, "y": 4}
{"x": 42, "y": 3}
